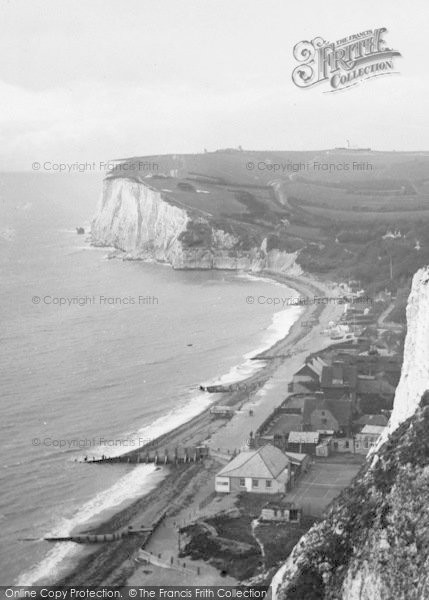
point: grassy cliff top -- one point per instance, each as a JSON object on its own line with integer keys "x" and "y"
{"x": 353, "y": 214}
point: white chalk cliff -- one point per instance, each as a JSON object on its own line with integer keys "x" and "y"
{"x": 143, "y": 223}
{"x": 374, "y": 542}
{"x": 414, "y": 379}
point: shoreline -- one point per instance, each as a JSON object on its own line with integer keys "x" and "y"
{"x": 111, "y": 563}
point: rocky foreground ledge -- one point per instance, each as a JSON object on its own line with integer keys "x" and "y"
{"x": 374, "y": 542}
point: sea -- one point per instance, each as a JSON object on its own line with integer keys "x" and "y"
{"x": 99, "y": 356}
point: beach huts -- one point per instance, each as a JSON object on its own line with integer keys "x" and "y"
{"x": 266, "y": 470}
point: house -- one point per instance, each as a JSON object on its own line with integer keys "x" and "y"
{"x": 306, "y": 412}
{"x": 303, "y": 441}
{"x": 374, "y": 393}
{"x": 343, "y": 444}
{"x": 339, "y": 380}
{"x": 307, "y": 378}
{"x": 367, "y": 438}
{"x": 263, "y": 471}
{"x": 328, "y": 415}
{"x": 372, "y": 362}
{"x": 281, "y": 512}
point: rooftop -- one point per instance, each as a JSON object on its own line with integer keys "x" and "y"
{"x": 266, "y": 462}
{"x": 373, "y": 429}
{"x": 341, "y": 409}
{"x": 374, "y": 386}
{"x": 304, "y": 437}
{"x": 339, "y": 375}
{"x": 380, "y": 420}
{"x": 280, "y": 505}
{"x": 296, "y": 457}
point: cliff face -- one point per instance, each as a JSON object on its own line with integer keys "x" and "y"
{"x": 414, "y": 379}
{"x": 374, "y": 542}
{"x": 138, "y": 220}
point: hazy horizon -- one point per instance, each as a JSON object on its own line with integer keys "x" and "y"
{"x": 95, "y": 81}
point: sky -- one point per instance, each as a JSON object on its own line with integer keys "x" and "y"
{"x": 91, "y": 80}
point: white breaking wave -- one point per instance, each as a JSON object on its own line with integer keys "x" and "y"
{"x": 282, "y": 323}
{"x": 178, "y": 416}
{"x": 143, "y": 478}
{"x": 138, "y": 482}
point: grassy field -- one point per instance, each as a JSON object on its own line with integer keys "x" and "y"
{"x": 337, "y": 218}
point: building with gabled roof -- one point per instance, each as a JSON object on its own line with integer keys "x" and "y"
{"x": 367, "y": 438}
{"x": 339, "y": 380}
{"x": 266, "y": 470}
{"x": 380, "y": 420}
{"x": 333, "y": 415}
{"x": 308, "y": 377}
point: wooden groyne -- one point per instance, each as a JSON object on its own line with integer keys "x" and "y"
{"x": 158, "y": 456}
{"x": 99, "y": 538}
{"x": 247, "y": 385}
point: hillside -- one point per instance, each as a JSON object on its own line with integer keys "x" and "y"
{"x": 374, "y": 542}
{"x": 348, "y": 214}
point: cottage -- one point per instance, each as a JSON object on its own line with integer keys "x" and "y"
{"x": 307, "y": 378}
{"x": 343, "y": 444}
{"x": 339, "y": 380}
{"x": 281, "y": 512}
{"x": 328, "y": 415}
{"x": 263, "y": 471}
{"x": 367, "y": 438}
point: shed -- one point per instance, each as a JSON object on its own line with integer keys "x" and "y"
{"x": 285, "y": 512}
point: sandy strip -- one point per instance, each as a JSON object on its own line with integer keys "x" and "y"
{"x": 184, "y": 486}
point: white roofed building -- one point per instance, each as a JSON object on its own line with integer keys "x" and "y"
{"x": 263, "y": 471}
{"x": 367, "y": 438}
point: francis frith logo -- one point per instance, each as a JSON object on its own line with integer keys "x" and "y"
{"x": 343, "y": 63}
